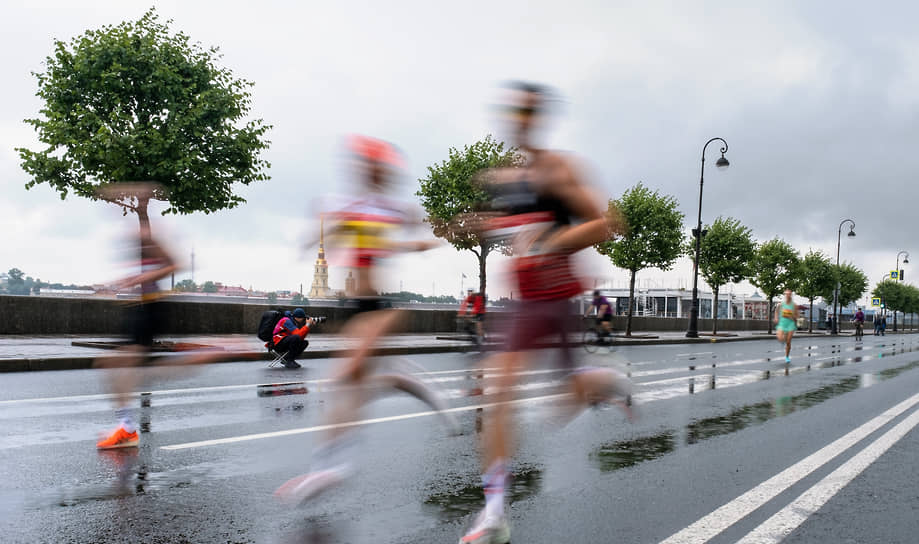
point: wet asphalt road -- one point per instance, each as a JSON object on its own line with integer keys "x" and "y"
{"x": 599, "y": 479}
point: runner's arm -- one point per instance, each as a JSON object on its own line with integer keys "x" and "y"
{"x": 599, "y": 225}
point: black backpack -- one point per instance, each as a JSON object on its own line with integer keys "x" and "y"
{"x": 267, "y": 324}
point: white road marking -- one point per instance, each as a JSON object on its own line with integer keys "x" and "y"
{"x": 786, "y": 520}
{"x": 714, "y": 523}
{"x": 317, "y": 428}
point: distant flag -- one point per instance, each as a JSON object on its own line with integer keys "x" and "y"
{"x": 464, "y": 276}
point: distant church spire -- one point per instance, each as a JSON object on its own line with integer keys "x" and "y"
{"x": 320, "y": 287}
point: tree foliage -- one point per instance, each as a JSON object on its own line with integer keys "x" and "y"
{"x": 725, "y": 253}
{"x": 775, "y": 267}
{"x": 852, "y": 285}
{"x": 209, "y": 287}
{"x": 653, "y": 237}
{"x": 186, "y": 286}
{"x": 454, "y": 201}
{"x": 136, "y": 102}
{"x": 897, "y": 297}
{"x": 724, "y": 256}
{"x": 818, "y": 275}
{"x": 654, "y": 233}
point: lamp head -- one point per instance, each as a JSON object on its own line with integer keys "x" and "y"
{"x": 851, "y": 233}
{"x": 722, "y": 163}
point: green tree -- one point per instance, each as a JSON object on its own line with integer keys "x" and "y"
{"x": 136, "y": 102}
{"x": 297, "y": 299}
{"x": 272, "y": 298}
{"x": 453, "y": 200}
{"x": 894, "y": 295}
{"x": 209, "y": 287}
{"x": 186, "y": 286}
{"x": 724, "y": 257}
{"x": 775, "y": 267}
{"x": 654, "y": 236}
{"x": 817, "y": 275}
{"x": 15, "y": 284}
{"x": 852, "y": 285}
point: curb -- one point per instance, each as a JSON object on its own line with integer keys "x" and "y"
{"x": 83, "y": 363}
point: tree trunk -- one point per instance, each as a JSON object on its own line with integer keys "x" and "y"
{"x": 628, "y": 319}
{"x": 810, "y": 319}
{"x": 142, "y": 216}
{"x": 715, "y": 312}
{"x": 769, "y": 316}
{"x": 484, "y": 250}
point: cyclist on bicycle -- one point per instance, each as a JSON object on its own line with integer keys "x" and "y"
{"x": 604, "y": 315}
{"x": 859, "y": 323}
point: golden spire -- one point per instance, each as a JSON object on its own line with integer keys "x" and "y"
{"x": 322, "y": 236}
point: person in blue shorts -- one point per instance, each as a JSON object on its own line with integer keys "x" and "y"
{"x": 786, "y": 322}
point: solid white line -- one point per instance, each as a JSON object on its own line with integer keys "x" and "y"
{"x": 302, "y": 430}
{"x": 714, "y": 523}
{"x": 776, "y": 528}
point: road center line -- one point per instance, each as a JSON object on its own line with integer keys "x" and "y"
{"x": 717, "y": 521}
{"x": 786, "y": 520}
{"x": 303, "y": 430}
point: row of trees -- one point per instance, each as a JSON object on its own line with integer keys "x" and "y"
{"x": 19, "y": 284}
{"x": 897, "y": 297}
{"x": 729, "y": 254}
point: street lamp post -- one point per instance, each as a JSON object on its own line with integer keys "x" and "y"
{"x": 836, "y": 291}
{"x": 905, "y": 261}
{"x": 722, "y": 163}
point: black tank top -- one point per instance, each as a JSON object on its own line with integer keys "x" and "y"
{"x": 540, "y": 274}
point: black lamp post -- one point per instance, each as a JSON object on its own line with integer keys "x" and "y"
{"x": 905, "y": 261}
{"x": 836, "y": 290}
{"x": 693, "y": 331}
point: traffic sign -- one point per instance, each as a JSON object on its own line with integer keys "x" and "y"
{"x": 876, "y": 302}
{"x": 894, "y": 275}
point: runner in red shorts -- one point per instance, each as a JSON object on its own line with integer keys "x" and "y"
{"x": 547, "y": 213}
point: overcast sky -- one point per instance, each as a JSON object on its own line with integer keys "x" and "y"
{"x": 817, "y": 100}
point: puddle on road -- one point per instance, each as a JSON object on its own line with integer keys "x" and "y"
{"x": 624, "y": 454}
{"x": 617, "y": 455}
{"x": 457, "y": 504}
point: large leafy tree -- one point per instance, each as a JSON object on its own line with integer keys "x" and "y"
{"x": 455, "y": 202}
{"x": 653, "y": 237}
{"x": 817, "y": 275}
{"x": 136, "y": 102}
{"x": 724, "y": 256}
{"x": 775, "y": 267}
{"x": 896, "y": 296}
{"x": 852, "y": 285}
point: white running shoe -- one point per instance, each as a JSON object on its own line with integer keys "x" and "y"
{"x": 487, "y": 530}
{"x": 310, "y": 485}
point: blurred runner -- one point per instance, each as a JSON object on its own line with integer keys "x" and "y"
{"x": 147, "y": 320}
{"x": 786, "y": 319}
{"x": 547, "y": 212}
{"x": 362, "y": 233}
{"x": 473, "y": 309}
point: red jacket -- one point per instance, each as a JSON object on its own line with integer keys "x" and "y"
{"x": 286, "y": 327}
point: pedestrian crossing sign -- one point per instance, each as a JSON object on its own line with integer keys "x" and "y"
{"x": 894, "y": 275}
{"x": 876, "y": 301}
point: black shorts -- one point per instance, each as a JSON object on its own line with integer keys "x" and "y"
{"x": 605, "y": 318}
{"x": 147, "y": 321}
{"x": 478, "y": 317}
{"x": 368, "y": 304}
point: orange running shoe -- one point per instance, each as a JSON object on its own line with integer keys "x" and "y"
{"x": 119, "y": 439}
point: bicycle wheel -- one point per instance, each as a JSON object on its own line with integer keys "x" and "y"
{"x": 591, "y": 341}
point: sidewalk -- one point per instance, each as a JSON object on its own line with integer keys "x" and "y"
{"x": 25, "y": 353}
